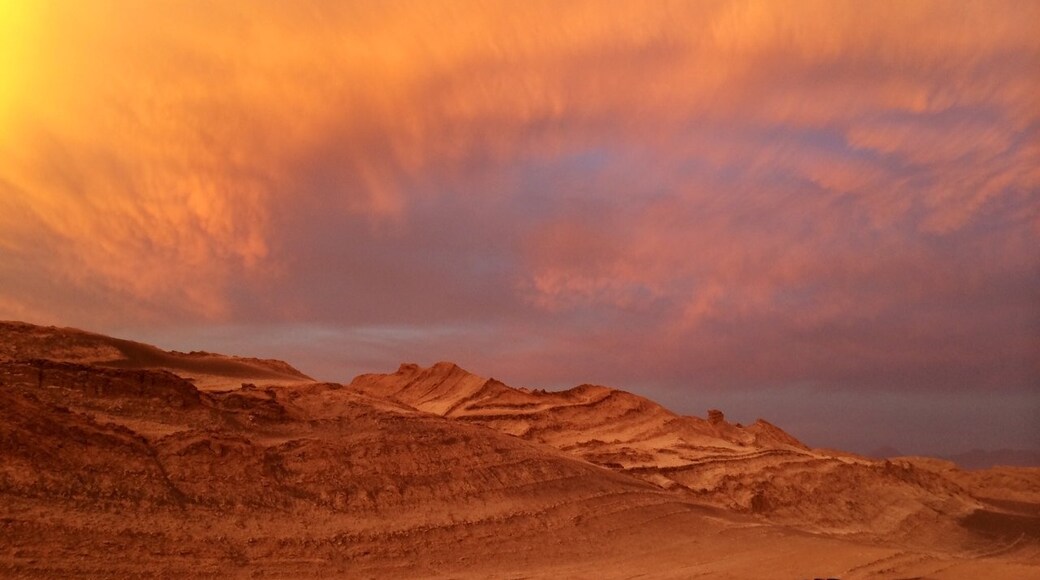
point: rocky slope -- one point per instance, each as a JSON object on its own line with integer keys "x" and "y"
{"x": 758, "y": 468}
{"x": 100, "y": 461}
{"x": 116, "y": 472}
{"x": 21, "y": 341}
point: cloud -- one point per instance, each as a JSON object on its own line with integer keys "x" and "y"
{"x": 710, "y": 194}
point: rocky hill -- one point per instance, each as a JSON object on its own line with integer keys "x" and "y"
{"x": 756, "y": 469}
{"x": 107, "y": 471}
{"x": 21, "y": 341}
{"x": 297, "y": 479}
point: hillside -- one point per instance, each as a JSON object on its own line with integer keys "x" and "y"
{"x": 756, "y": 469}
{"x": 21, "y": 341}
{"x": 309, "y": 479}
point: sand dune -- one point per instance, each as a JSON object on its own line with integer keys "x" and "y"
{"x": 436, "y": 473}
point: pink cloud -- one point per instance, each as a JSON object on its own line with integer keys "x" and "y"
{"x": 703, "y": 194}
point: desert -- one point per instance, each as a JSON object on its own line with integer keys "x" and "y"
{"x": 118, "y": 464}
{"x": 467, "y": 289}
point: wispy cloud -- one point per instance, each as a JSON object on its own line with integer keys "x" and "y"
{"x": 707, "y": 194}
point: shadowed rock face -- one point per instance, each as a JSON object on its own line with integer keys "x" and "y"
{"x": 716, "y": 417}
{"x": 439, "y": 473}
{"x": 54, "y": 456}
{"x": 100, "y": 383}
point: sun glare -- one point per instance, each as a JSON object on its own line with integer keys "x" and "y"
{"x": 16, "y": 30}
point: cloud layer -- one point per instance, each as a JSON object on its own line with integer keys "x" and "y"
{"x": 706, "y": 196}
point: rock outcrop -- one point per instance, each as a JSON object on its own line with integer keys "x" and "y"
{"x": 715, "y": 417}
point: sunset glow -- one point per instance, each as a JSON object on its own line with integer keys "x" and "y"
{"x": 704, "y": 200}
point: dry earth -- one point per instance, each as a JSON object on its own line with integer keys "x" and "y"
{"x": 208, "y": 371}
{"x": 113, "y": 464}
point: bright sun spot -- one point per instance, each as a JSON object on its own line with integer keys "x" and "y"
{"x": 16, "y": 30}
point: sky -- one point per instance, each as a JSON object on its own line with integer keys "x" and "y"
{"x": 824, "y": 213}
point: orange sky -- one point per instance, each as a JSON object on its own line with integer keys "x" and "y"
{"x": 683, "y": 197}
